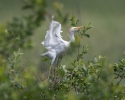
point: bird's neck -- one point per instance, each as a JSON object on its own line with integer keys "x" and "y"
{"x": 72, "y": 38}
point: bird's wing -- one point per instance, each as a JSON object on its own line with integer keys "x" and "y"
{"x": 53, "y": 36}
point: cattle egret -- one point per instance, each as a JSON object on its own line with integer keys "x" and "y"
{"x": 53, "y": 40}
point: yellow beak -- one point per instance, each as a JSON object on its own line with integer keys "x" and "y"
{"x": 79, "y": 27}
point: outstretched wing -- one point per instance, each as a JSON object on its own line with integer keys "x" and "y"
{"x": 53, "y": 36}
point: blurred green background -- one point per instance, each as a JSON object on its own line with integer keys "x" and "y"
{"x": 106, "y": 37}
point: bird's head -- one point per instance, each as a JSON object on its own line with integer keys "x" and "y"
{"x": 75, "y": 29}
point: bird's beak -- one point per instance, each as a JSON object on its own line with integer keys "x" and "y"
{"x": 79, "y": 27}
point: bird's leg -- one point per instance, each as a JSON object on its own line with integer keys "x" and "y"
{"x": 56, "y": 62}
{"x": 59, "y": 60}
{"x": 53, "y": 59}
{"x": 55, "y": 76}
{"x": 55, "y": 69}
{"x": 50, "y": 71}
{"x": 56, "y": 66}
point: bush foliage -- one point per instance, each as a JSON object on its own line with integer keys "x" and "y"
{"x": 96, "y": 79}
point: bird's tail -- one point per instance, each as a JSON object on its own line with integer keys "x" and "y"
{"x": 44, "y": 54}
{"x": 42, "y": 43}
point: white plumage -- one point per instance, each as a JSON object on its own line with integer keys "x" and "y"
{"x": 53, "y": 40}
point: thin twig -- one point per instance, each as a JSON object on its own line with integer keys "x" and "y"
{"x": 99, "y": 75}
{"x": 78, "y": 47}
{"x": 120, "y": 79}
{"x": 19, "y": 70}
{"x": 37, "y": 77}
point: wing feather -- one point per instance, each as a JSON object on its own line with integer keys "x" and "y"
{"x": 53, "y": 36}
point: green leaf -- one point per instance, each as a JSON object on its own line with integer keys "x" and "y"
{"x": 45, "y": 58}
{"x": 87, "y": 35}
{"x": 27, "y": 6}
{"x": 89, "y": 27}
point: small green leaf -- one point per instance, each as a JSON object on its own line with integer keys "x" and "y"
{"x": 27, "y": 6}
{"x": 44, "y": 58}
{"x": 87, "y": 35}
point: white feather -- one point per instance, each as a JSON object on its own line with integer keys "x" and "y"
{"x": 53, "y": 36}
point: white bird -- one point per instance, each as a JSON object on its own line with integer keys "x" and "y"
{"x": 53, "y": 40}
